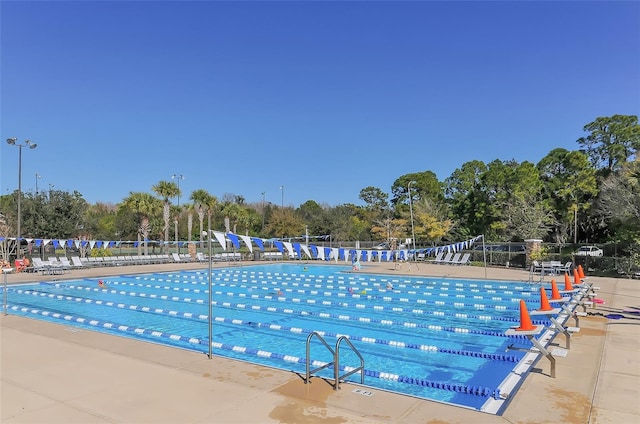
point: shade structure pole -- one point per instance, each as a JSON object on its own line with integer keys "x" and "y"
{"x": 210, "y": 288}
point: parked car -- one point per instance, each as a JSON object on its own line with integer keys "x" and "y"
{"x": 589, "y": 251}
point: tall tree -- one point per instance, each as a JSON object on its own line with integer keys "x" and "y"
{"x": 166, "y": 190}
{"x": 374, "y": 198}
{"x": 204, "y": 203}
{"x": 619, "y": 202}
{"x": 612, "y": 141}
{"x": 569, "y": 185}
{"x": 144, "y": 206}
{"x": 431, "y": 220}
{"x": 284, "y": 223}
{"x": 527, "y": 217}
{"x": 468, "y": 202}
{"x": 423, "y": 185}
{"x": 60, "y": 215}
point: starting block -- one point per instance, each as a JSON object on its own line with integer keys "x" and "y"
{"x": 556, "y": 326}
{"x": 530, "y": 335}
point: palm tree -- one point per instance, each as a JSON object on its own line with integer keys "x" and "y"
{"x": 233, "y": 213}
{"x": 203, "y": 203}
{"x": 144, "y": 206}
{"x": 166, "y": 190}
{"x": 189, "y": 209}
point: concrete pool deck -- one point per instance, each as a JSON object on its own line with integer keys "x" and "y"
{"x": 51, "y": 373}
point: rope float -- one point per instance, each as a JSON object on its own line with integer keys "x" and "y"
{"x": 336, "y": 316}
{"x": 516, "y": 296}
{"x": 277, "y": 327}
{"x": 387, "y": 299}
{"x": 485, "y": 392}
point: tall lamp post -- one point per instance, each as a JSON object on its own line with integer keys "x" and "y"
{"x": 263, "y": 193}
{"x": 282, "y": 194}
{"x": 413, "y": 233}
{"x": 38, "y": 176}
{"x": 210, "y": 307}
{"x": 14, "y": 142}
{"x": 178, "y": 177}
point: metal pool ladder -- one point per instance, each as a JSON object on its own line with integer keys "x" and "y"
{"x": 335, "y": 353}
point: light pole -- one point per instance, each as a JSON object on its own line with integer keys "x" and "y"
{"x": 175, "y": 223}
{"x": 14, "y": 142}
{"x": 210, "y": 307}
{"x": 263, "y": 193}
{"x": 575, "y": 224}
{"x": 282, "y": 201}
{"x": 38, "y": 176}
{"x": 5, "y": 271}
{"x": 178, "y": 177}
{"x": 413, "y": 233}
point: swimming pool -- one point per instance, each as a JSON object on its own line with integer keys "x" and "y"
{"x": 433, "y": 338}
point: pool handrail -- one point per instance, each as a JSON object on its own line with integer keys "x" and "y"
{"x": 308, "y": 359}
{"x": 335, "y": 353}
{"x": 336, "y": 368}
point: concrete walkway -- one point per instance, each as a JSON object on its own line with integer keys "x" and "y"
{"x": 57, "y": 374}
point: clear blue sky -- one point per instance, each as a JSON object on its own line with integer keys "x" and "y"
{"x": 325, "y": 98}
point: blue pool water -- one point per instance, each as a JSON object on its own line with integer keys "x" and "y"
{"x": 433, "y": 338}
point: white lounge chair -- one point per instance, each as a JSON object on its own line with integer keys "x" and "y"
{"x": 76, "y": 262}
{"x": 439, "y": 259}
{"x": 464, "y": 260}
{"x": 57, "y": 267}
{"x": 40, "y": 266}
{"x": 66, "y": 265}
{"x": 454, "y": 260}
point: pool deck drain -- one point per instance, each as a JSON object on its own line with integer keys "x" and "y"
{"x": 50, "y": 374}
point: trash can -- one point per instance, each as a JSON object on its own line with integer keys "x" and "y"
{"x": 256, "y": 255}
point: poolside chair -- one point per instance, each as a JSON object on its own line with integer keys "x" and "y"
{"x": 176, "y": 257}
{"x": 464, "y": 260}
{"x": 57, "y": 266}
{"x": 439, "y": 257}
{"x": 40, "y": 266}
{"x": 76, "y": 262}
{"x": 454, "y": 260}
{"x": 446, "y": 259}
{"x": 66, "y": 265}
{"x": 535, "y": 266}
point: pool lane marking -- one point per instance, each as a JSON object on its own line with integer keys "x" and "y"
{"x": 360, "y": 306}
{"x": 234, "y": 321}
{"x": 475, "y": 390}
{"x": 356, "y": 296}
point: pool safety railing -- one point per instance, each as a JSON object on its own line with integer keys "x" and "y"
{"x": 335, "y": 354}
{"x": 336, "y": 360}
{"x": 310, "y": 371}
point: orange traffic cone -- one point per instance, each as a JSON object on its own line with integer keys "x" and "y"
{"x": 576, "y": 277}
{"x": 555, "y": 294}
{"x": 567, "y": 282}
{"x": 544, "y": 301}
{"x": 580, "y": 271}
{"x": 525, "y": 319}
